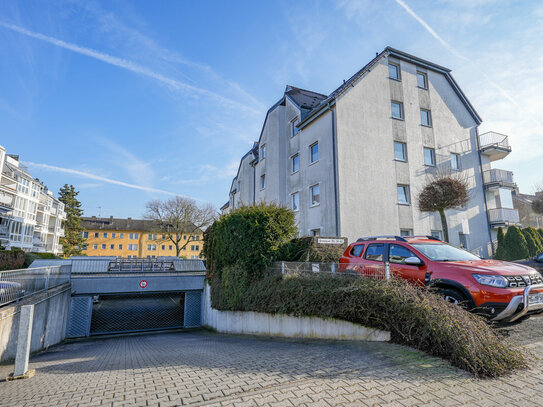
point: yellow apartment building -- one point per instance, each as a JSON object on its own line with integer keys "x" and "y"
{"x": 134, "y": 238}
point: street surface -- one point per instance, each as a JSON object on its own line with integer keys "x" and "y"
{"x": 206, "y": 369}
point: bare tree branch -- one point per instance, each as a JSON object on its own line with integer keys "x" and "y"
{"x": 179, "y": 216}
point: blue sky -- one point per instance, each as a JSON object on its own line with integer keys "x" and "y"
{"x": 136, "y": 100}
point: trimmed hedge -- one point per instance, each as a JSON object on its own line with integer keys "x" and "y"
{"x": 518, "y": 244}
{"x": 305, "y": 249}
{"x": 249, "y": 236}
{"x": 414, "y": 316}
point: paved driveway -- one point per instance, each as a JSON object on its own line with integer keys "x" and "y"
{"x": 200, "y": 368}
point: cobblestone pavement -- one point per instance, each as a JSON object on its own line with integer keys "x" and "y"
{"x": 206, "y": 369}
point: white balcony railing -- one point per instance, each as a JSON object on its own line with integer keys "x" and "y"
{"x": 492, "y": 139}
{"x": 503, "y": 216}
{"x": 496, "y": 176}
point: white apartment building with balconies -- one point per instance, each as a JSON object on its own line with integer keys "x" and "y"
{"x": 31, "y": 218}
{"x": 352, "y": 163}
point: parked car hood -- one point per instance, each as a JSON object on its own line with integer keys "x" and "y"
{"x": 488, "y": 267}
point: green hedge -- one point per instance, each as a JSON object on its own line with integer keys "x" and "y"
{"x": 305, "y": 249}
{"x": 249, "y": 236}
{"x": 414, "y": 316}
{"x": 12, "y": 259}
{"x": 30, "y": 257}
{"x": 518, "y": 244}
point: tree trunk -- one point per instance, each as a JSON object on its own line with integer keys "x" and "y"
{"x": 444, "y": 225}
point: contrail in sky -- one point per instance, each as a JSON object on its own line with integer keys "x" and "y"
{"x": 131, "y": 66}
{"x": 504, "y": 93}
{"x": 103, "y": 179}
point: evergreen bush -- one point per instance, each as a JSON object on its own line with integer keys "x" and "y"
{"x": 500, "y": 250}
{"x": 531, "y": 243}
{"x": 249, "y": 237}
{"x": 538, "y": 240}
{"x": 304, "y": 249}
{"x": 516, "y": 247}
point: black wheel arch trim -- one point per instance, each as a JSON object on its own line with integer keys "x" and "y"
{"x": 445, "y": 283}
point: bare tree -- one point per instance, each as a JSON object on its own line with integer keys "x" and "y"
{"x": 444, "y": 191}
{"x": 179, "y": 216}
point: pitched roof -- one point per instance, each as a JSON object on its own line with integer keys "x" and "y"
{"x": 305, "y": 99}
{"x": 400, "y": 55}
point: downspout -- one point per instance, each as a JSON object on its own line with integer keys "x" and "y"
{"x": 334, "y": 155}
{"x": 484, "y": 191}
{"x": 254, "y": 183}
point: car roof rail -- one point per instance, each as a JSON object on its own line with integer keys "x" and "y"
{"x": 426, "y": 237}
{"x": 391, "y": 237}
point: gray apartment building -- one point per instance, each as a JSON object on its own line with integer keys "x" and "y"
{"x": 351, "y": 163}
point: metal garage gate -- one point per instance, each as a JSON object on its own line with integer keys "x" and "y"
{"x": 124, "y": 313}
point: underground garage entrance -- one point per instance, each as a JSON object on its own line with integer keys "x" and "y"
{"x": 137, "y": 312}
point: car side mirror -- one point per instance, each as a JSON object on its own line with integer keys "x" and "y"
{"x": 413, "y": 261}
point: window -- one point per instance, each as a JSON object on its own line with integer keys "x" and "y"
{"x": 295, "y": 163}
{"x": 152, "y": 236}
{"x": 133, "y": 247}
{"x": 429, "y": 156}
{"x": 96, "y": 234}
{"x": 85, "y": 246}
{"x": 133, "y": 236}
{"x": 195, "y": 248}
{"x": 403, "y": 194}
{"x": 357, "y": 250}
{"x": 455, "y": 161}
{"x": 263, "y": 181}
{"x": 314, "y": 153}
{"x": 437, "y": 234}
{"x": 315, "y": 195}
{"x": 170, "y": 247}
{"x": 463, "y": 238}
{"x": 406, "y": 232}
{"x": 184, "y": 237}
{"x": 85, "y": 235}
{"x": 293, "y": 129}
{"x": 151, "y": 247}
{"x": 398, "y": 254}
{"x": 103, "y": 247}
{"x": 394, "y": 71}
{"x": 95, "y": 246}
{"x": 295, "y": 201}
{"x": 120, "y": 247}
{"x": 422, "y": 80}
{"x": 104, "y": 235}
{"x": 375, "y": 252}
{"x": 397, "y": 110}
{"x": 112, "y": 247}
{"x": 163, "y": 247}
{"x": 113, "y": 235}
{"x": 315, "y": 232}
{"x": 400, "y": 151}
{"x": 121, "y": 235}
{"x": 425, "y": 118}
{"x": 263, "y": 151}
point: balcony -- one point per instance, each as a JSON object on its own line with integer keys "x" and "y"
{"x": 496, "y": 178}
{"x": 6, "y": 202}
{"x": 503, "y": 217}
{"x": 494, "y": 145}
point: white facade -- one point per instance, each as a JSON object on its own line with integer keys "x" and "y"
{"x": 352, "y": 163}
{"x": 30, "y": 216}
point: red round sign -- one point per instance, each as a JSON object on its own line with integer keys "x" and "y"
{"x": 143, "y": 283}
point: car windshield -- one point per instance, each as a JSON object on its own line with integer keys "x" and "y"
{"x": 443, "y": 252}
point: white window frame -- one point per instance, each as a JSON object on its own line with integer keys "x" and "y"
{"x": 292, "y": 169}
{"x": 428, "y": 113}
{"x": 263, "y": 152}
{"x": 394, "y": 102}
{"x": 424, "y": 75}
{"x": 457, "y": 159}
{"x": 295, "y": 196}
{"x": 263, "y": 182}
{"x": 398, "y": 71}
{"x": 404, "y": 150}
{"x": 312, "y": 195}
{"x": 407, "y": 194}
{"x": 293, "y": 129}
{"x": 432, "y": 155}
{"x": 315, "y": 144}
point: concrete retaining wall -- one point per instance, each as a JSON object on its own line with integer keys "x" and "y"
{"x": 256, "y": 323}
{"x": 49, "y": 324}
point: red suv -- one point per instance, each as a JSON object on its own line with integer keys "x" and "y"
{"x": 504, "y": 291}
